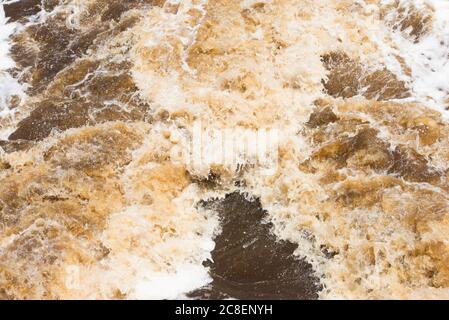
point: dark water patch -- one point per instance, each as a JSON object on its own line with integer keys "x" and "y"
{"x": 80, "y": 96}
{"x": 322, "y": 116}
{"x": 348, "y": 78}
{"x": 22, "y": 9}
{"x": 60, "y": 46}
{"x": 14, "y": 146}
{"x": 67, "y": 114}
{"x": 113, "y": 10}
{"x": 366, "y": 150}
{"x": 249, "y": 262}
{"x": 42, "y": 50}
{"x": 72, "y": 90}
{"x": 51, "y": 115}
{"x": 413, "y": 166}
{"x": 49, "y": 47}
{"x": 86, "y": 93}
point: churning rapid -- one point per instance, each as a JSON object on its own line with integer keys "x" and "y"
{"x": 98, "y": 105}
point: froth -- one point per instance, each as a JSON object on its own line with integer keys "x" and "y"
{"x": 93, "y": 193}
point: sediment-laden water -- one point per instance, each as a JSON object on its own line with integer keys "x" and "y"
{"x": 98, "y": 105}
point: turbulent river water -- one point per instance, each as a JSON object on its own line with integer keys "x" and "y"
{"x": 108, "y": 192}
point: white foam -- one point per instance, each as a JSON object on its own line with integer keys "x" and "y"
{"x": 428, "y": 58}
{"x": 8, "y": 85}
{"x": 163, "y": 285}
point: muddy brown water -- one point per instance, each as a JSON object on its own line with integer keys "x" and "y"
{"x": 20, "y": 9}
{"x": 249, "y": 262}
{"x": 72, "y": 87}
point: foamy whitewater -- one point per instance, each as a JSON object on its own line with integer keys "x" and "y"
{"x": 98, "y": 105}
{"x": 8, "y": 85}
{"x": 427, "y": 58}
